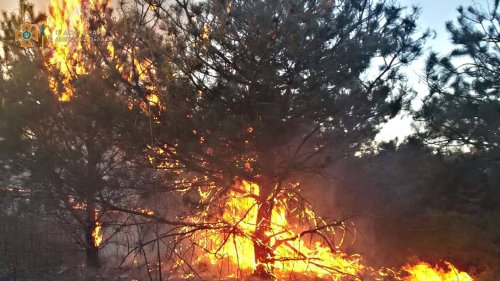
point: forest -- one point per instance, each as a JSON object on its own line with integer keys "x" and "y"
{"x": 155, "y": 140}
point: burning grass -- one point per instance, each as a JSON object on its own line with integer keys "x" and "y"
{"x": 296, "y": 251}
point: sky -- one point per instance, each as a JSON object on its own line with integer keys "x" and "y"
{"x": 434, "y": 15}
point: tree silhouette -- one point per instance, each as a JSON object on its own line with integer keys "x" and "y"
{"x": 462, "y": 107}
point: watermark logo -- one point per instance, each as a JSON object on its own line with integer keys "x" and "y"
{"x": 28, "y": 34}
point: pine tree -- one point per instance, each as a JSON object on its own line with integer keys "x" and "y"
{"x": 463, "y": 104}
{"x": 273, "y": 92}
{"x": 76, "y": 156}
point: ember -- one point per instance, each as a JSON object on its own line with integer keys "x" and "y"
{"x": 97, "y": 235}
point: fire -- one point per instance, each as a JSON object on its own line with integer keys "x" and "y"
{"x": 70, "y": 36}
{"x": 292, "y": 252}
{"x": 65, "y": 25}
{"x": 97, "y": 235}
{"x": 146, "y": 212}
{"x": 72, "y": 45}
{"x": 425, "y": 272}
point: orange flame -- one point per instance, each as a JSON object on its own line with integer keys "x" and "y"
{"x": 425, "y": 272}
{"x": 146, "y": 212}
{"x": 69, "y": 34}
{"x": 292, "y": 252}
{"x": 71, "y": 37}
{"x": 97, "y": 235}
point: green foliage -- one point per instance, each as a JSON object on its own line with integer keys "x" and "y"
{"x": 462, "y": 110}
{"x": 428, "y": 206}
{"x": 463, "y": 106}
{"x": 288, "y": 71}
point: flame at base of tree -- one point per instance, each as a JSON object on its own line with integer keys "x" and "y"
{"x": 292, "y": 250}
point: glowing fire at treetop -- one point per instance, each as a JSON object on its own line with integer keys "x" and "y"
{"x": 69, "y": 34}
{"x": 292, "y": 251}
{"x": 72, "y": 41}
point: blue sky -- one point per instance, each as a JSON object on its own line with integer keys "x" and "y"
{"x": 434, "y": 15}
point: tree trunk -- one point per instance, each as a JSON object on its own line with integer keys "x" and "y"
{"x": 91, "y": 249}
{"x": 262, "y": 249}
